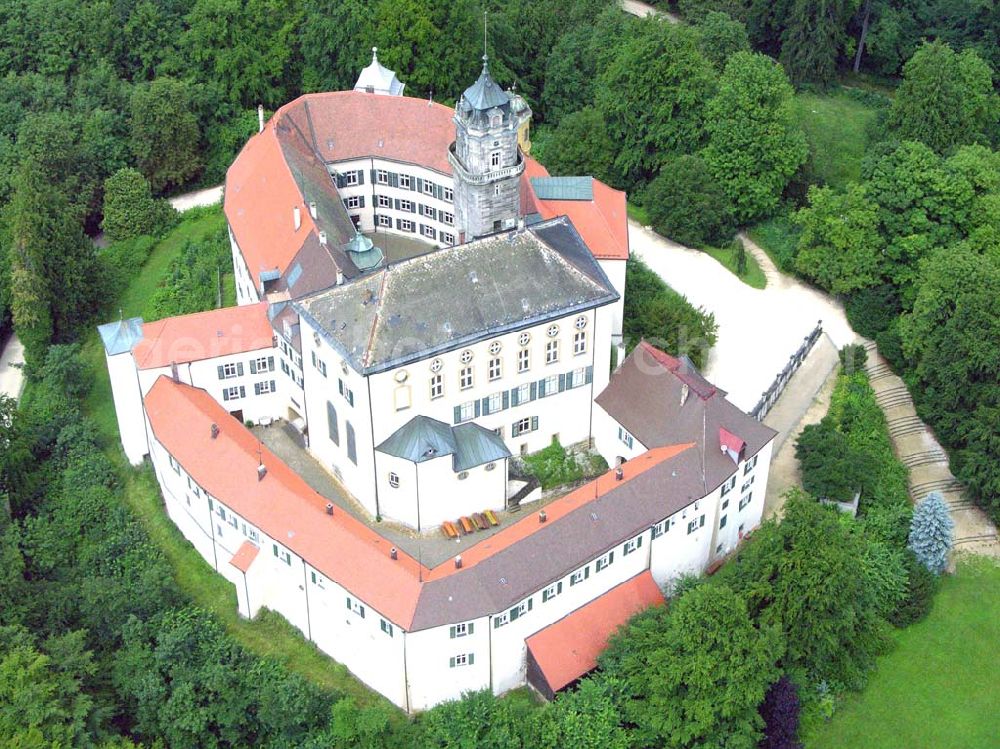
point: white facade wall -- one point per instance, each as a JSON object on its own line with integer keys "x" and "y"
{"x": 611, "y": 440}
{"x": 127, "y": 396}
{"x": 247, "y": 291}
{"x": 748, "y": 490}
{"x": 444, "y": 232}
{"x": 431, "y": 677}
{"x": 430, "y": 492}
{"x": 615, "y": 271}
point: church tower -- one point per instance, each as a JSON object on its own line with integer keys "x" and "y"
{"x": 485, "y": 159}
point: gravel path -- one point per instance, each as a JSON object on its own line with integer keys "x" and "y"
{"x": 643, "y": 9}
{"x": 11, "y": 372}
{"x": 208, "y": 196}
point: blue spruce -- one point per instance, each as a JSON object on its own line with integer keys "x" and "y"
{"x": 930, "y": 533}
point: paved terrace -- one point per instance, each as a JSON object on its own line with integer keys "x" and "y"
{"x": 430, "y": 547}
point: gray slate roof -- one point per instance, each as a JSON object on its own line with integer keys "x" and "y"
{"x": 493, "y": 285}
{"x": 563, "y": 188}
{"x": 644, "y": 396}
{"x": 508, "y": 575}
{"x": 423, "y": 438}
{"x": 119, "y": 337}
{"x": 485, "y": 93}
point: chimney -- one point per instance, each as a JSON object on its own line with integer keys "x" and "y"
{"x": 619, "y": 473}
{"x": 340, "y": 277}
{"x": 173, "y": 372}
{"x": 215, "y": 431}
{"x": 542, "y": 517}
{"x": 458, "y": 562}
{"x": 297, "y": 217}
{"x": 684, "y": 393}
{"x": 393, "y": 554}
{"x": 329, "y": 508}
{"x": 261, "y": 472}
{"x": 322, "y": 236}
{"x": 312, "y": 208}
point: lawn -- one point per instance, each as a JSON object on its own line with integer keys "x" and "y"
{"x": 778, "y": 237}
{"x": 939, "y": 688}
{"x": 753, "y": 276}
{"x": 269, "y": 635}
{"x": 836, "y": 126}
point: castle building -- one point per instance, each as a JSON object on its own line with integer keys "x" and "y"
{"x": 419, "y": 303}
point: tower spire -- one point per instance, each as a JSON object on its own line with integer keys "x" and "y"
{"x": 485, "y": 54}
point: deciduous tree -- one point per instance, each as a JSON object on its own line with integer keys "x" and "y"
{"x": 686, "y": 203}
{"x": 164, "y": 134}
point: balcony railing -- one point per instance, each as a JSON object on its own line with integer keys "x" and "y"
{"x": 491, "y": 176}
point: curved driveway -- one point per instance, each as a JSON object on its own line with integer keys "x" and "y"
{"x": 759, "y": 329}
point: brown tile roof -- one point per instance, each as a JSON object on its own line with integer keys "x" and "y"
{"x": 645, "y": 394}
{"x": 203, "y": 335}
{"x": 568, "y": 648}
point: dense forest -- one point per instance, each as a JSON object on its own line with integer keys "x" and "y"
{"x": 109, "y": 106}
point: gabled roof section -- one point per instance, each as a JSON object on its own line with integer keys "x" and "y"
{"x": 568, "y": 648}
{"x": 601, "y": 218}
{"x": 379, "y": 78}
{"x": 661, "y": 400}
{"x": 423, "y": 438}
{"x": 244, "y": 556}
{"x": 281, "y": 504}
{"x": 121, "y": 336}
{"x": 204, "y": 335}
{"x": 498, "y": 283}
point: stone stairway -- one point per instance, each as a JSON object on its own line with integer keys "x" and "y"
{"x": 926, "y": 461}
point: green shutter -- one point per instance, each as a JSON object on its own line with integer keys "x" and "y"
{"x": 540, "y": 389}
{"x": 590, "y": 375}
{"x": 239, "y": 368}
{"x": 486, "y": 406}
{"x": 534, "y": 391}
{"x": 451, "y": 662}
{"x": 514, "y": 396}
{"x": 458, "y": 414}
{"x": 506, "y": 399}
{"x": 253, "y": 366}
{"x": 270, "y": 364}
{"x": 222, "y": 373}
{"x": 472, "y": 658}
{"x": 477, "y": 408}
{"x": 451, "y": 632}
{"x": 534, "y": 423}
{"x": 562, "y": 382}
{"x": 348, "y": 602}
{"x": 471, "y": 628}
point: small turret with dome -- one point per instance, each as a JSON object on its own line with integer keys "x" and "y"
{"x": 485, "y": 158}
{"x": 378, "y": 79}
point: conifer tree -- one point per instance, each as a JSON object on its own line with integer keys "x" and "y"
{"x": 930, "y": 533}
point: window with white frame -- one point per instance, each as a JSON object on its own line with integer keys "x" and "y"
{"x": 406, "y": 205}
{"x": 747, "y": 484}
{"x": 174, "y": 464}
{"x": 437, "y": 386}
{"x": 356, "y": 606}
{"x": 447, "y": 238}
{"x": 436, "y": 365}
{"x": 749, "y": 465}
{"x": 662, "y": 527}
{"x": 229, "y": 370}
{"x": 521, "y": 609}
{"x": 551, "y": 352}
{"x": 406, "y": 224}
{"x": 524, "y": 338}
{"x": 428, "y": 188}
{"x": 384, "y": 201}
{"x": 523, "y": 426}
{"x": 745, "y": 500}
{"x": 281, "y": 554}
{"x": 447, "y": 194}
{"x": 462, "y": 659}
{"x": 495, "y": 159}
{"x": 466, "y": 356}
{"x": 580, "y": 575}
{"x": 695, "y": 524}
{"x": 578, "y": 377}
{"x": 467, "y": 411}
{"x": 465, "y": 378}
{"x": 233, "y": 393}
{"x": 385, "y": 627}
{"x": 524, "y": 393}
{"x": 494, "y": 403}
{"x": 461, "y": 630}
{"x": 404, "y": 181}
{"x": 551, "y": 592}
{"x": 429, "y": 212}
{"x": 447, "y": 218}
{"x": 382, "y": 177}
{"x": 523, "y": 360}
{"x": 428, "y": 231}
{"x": 393, "y": 479}
{"x": 345, "y": 391}
{"x": 501, "y": 619}
{"x": 579, "y": 342}
{"x": 350, "y": 178}
{"x": 631, "y": 545}
{"x": 263, "y": 387}
{"x": 728, "y": 486}
{"x": 494, "y": 369}
{"x": 550, "y": 386}
{"x": 625, "y": 437}
{"x": 604, "y": 562}
{"x": 263, "y": 364}
{"x": 385, "y": 221}
{"x": 353, "y": 201}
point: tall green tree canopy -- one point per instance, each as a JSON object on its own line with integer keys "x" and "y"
{"x": 813, "y": 38}
{"x": 165, "y": 137}
{"x": 754, "y": 145}
{"x": 580, "y": 145}
{"x": 652, "y": 96}
{"x": 945, "y": 99}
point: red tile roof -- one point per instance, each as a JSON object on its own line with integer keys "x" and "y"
{"x": 203, "y": 335}
{"x": 244, "y": 556}
{"x": 602, "y": 222}
{"x": 568, "y": 649}
{"x": 281, "y": 504}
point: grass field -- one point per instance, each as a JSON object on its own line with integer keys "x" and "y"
{"x": 753, "y": 276}
{"x": 940, "y": 686}
{"x": 269, "y": 635}
{"x": 836, "y": 127}
{"x": 778, "y": 237}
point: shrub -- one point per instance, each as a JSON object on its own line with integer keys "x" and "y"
{"x": 853, "y": 357}
{"x": 780, "y": 711}
{"x": 554, "y": 466}
{"x": 830, "y": 468}
{"x": 129, "y": 207}
{"x": 687, "y": 204}
{"x": 931, "y": 533}
{"x": 921, "y": 584}
{"x": 873, "y": 309}
{"x": 890, "y": 345}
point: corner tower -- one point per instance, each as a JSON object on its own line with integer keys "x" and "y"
{"x": 485, "y": 159}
